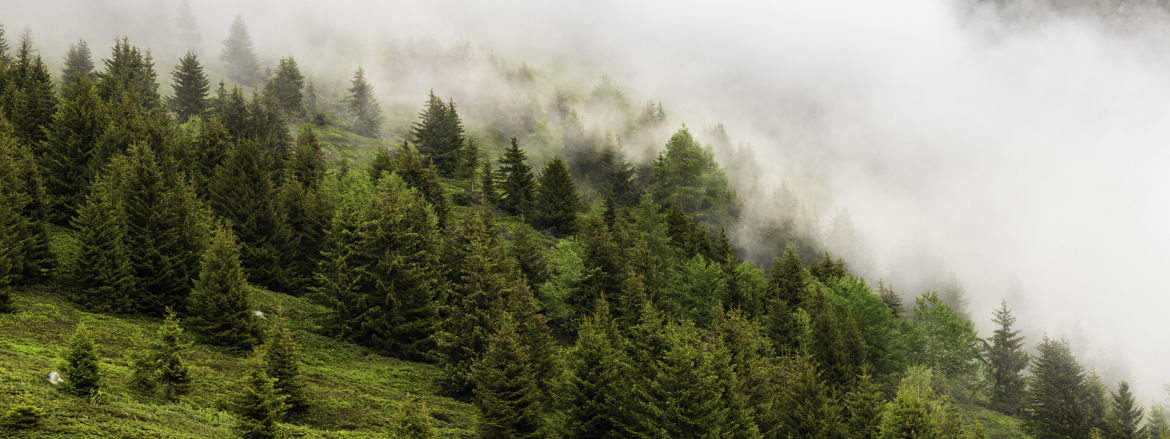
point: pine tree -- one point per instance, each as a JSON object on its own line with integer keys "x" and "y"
{"x": 908, "y": 416}
{"x": 24, "y": 218}
{"x": 1006, "y": 362}
{"x": 258, "y": 406}
{"x": 100, "y": 270}
{"x": 305, "y": 215}
{"x": 487, "y": 183}
{"x": 160, "y": 364}
{"x": 242, "y": 193}
{"x": 807, "y": 406}
{"x": 758, "y": 375}
{"x": 787, "y": 279}
{"x": 285, "y": 88}
{"x": 5, "y": 58}
{"x": 191, "y": 87}
{"x": 239, "y": 55}
{"x": 517, "y": 185}
{"x": 129, "y": 78}
{"x": 408, "y": 165}
{"x": 890, "y": 298}
{"x": 529, "y": 254}
{"x": 365, "y": 110}
{"x": 468, "y": 160}
{"x": 506, "y": 391}
{"x": 81, "y": 365}
{"x": 1124, "y": 418}
{"x": 1158, "y": 426}
{"x": 30, "y": 102}
{"x": 606, "y": 271}
{"x": 67, "y": 156}
{"x": 1056, "y": 406}
{"x": 863, "y": 407}
{"x": 687, "y": 235}
{"x": 439, "y": 134}
{"x": 556, "y": 203}
{"x": 188, "y": 28}
{"x": 219, "y": 306}
{"x": 78, "y": 61}
{"x": 342, "y": 280}
{"x": 593, "y": 392}
{"x": 307, "y": 164}
{"x": 284, "y": 366}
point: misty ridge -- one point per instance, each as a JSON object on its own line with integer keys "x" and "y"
{"x": 809, "y": 189}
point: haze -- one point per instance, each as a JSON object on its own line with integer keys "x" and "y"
{"x": 1027, "y": 155}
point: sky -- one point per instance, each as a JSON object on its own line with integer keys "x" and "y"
{"x": 1026, "y": 149}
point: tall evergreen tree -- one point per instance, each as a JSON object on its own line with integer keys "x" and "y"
{"x": 593, "y": 391}
{"x": 305, "y": 214}
{"x": 188, "y": 27}
{"x": 908, "y": 416}
{"x": 81, "y": 369}
{"x": 284, "y": 366}
{"x": 30, "y": 101}
{"x": 409, "y": 166}
{"x": 242, "y": 193}
{"x": 787, "y": 279}
{"x": 1056, "y": 404}
{"x": 342, "y": 280}
{"x": 863, "y": 408}
{"x": 5, "y": 58}
{"x": 1006, "y": 361}
{"x": 1124, "y": 418}
{"x": 556, "y": 202}
{"x": 238, "y": 54}
{"x": 808, "y": 408}
{"x": 307, "y": 163}
{"x": 506, "y": 390}
{"x": 439, "y": 134}
{"x": 191, "y": 87}
{"x": 219, "y": 307}
{"x": 67, "y": 156}
{"x": 365, "y": 110}
{"x": 160, "y": 364}
{"x": 528, "y": 251}
{"x": 258, "y": 406}
{"x": 517, "y": 184}
{"x": 285, "y": 88}
{"x": 487, "y": 185}
{"x": 129, "y": 75}
{"x": 100, "y": 270}
{"x": 24, "y": 218}
{"x": 78, "y": 61}
{"x": 758, "y": 374}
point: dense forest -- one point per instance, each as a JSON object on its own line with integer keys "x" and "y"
{"x": 257, "y": 254}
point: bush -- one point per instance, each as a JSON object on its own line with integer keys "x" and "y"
{"x": 23, "y": 417}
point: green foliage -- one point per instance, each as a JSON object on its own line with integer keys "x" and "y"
{"x": 507, "y": 392}
{"x": 807, "y": 406}
{"x": 592, "y": 392}
{"x": 239, "y": 55}
{"x": 439, "y": 135}
{"x": 129, "y": 77}
{"x": 100, "y": 269}
{"x": 529, "y": 252}
{"x": 365, "y": 110}
{"x": 242, "y": 193}
{"x": 686, "y": 174}
{"x": 23, "y": 417}
{"x": 487, "y": 183}
{"x": 946, "y": 342}
{"x": 883, "y": 334}
{"x": 1006, "y": 361}
{"x": 258, "y": 405}
{"x": 219, "y": 307}
{"x": 1124, "y": 417}
{"x": 160, "y": 364}
{"x": 80, "y": 369}
{"x": 409, "y": 166}
{"x": 78, "y": 61}
{"x": 516, "y": 185}
{"x": 307, "y": 163}
{"x": 68, "y": 152}
{"x": 24, "y": 244}
{"x": 863, "y": 407}
{"x": 556, "y": 204}
{"x": 697, "y": 287}
{"x": 1057, "y": 404}
{"x": 280, "y": 354}
{"x": 759, "y": 377}
{"x": 908, "y": 416}
{"x": 191, "y": 87}
{"x": 29, "y": 101}
{"x": 411, "y": 419}
{"x": 285, "y": 87}
{"x": 686, "y": 234}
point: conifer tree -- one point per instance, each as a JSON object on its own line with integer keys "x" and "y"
{"x": 258, "y": 406}
{"x": 365, "y": 110}
{"x": 757, "y": 373}
{"x": 160, "y": 364}
{"x": 5, "y": 58}
{"x": 239, "y": 55}
{"x": 1124, "y": 418}
{"x": 787, "y": 279}
{"x": 687, "y": 235}
{"x": 468, "y": 160}
{"x": 517, "y": 185}
{"x": 219, "y": 307}
{"x": 1006, "y": 361}
{"x": 305, "y": 215}
{"x": 26, "y": 237}
{"x": 863, "y": 407}
{"x": 529, "y": 254}
{"x": 308, "y": 160}
{"x": 100, "y": 271}
{"x": 439, "y": 134}
{"x": 191, "y": 87}
{"x": 188, "y": 28}
{"x": 605, "y": 268}
{"x": 506, "y": 391}
{"x": 284, "y": 366}
{"x": 412, "y": 420}
{"x": 1158, "y": 426}
{"x": 81, "y": 365}
{"x": 890, "y": 298}
{"x": 242, "y": 193}
{"x": 409, "y": 166}
{"x": 908, "y": 416}
{"x": 1056, "y": 406}
{"x": 129, "y": 76}
{"x": 285, "y": 88}
{"x": 207, "y": 152}
{"x": 487, "y": 183}
{"x": 78, "y": 61}
{"x": 67, "y": 156}
{"x": 592, "y": 391}
{"x": 807, "y": 405}
{"x": 341, "y": 280}
{"x": 31, "y": 102}
{"x": 556, "y": 203}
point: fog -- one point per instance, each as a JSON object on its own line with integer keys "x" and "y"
{"x": 1023, "y": 150}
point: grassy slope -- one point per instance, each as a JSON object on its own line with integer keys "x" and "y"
{"x": 353, "y": 389}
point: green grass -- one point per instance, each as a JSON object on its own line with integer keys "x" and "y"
{"x": 353, "y": 390}
{"x": 996, "y": 425}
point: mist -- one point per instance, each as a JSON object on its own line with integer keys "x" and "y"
{"x": 1023, "y": 150}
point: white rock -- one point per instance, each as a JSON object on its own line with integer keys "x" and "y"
{"x": 55, "y": 378}
{"x": 258, "y": 314}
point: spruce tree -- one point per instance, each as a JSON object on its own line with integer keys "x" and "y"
{"x": 528, "y": 251}
{"x": 863, "y": 408}
{"x": 191, "y": 87}
{"x": 409, "y": 166}
{"x": 365, "y": 110}
{"x": 81, "y": 370}
{"x": 593, "y": 393}
{"x": 307, "y": 163}
{"x": 160, "y": 364}
{"x": 1124, "y": 417}
{"x": 67, "y": 156}
{"x": 556, "y": 202}
{"x": 219, "y": 307}
{"x": 506, "y": 391}
{"x": 606, "y": 270}
{"x": 758, "y": 375}
{"x": 787, "y": 279}
{"x": 26, "y": 237}
{"x": 242, "y": 192}
{"x": 487, "y": 183}
{"x": 1006, "y": 361}
{"x": 285, "y": 88}
{"x": 305, "y": 215}
{"x": 258, "y": 405}
{"x": 517, "y": 186}
{"x": 239, "y": 55}
{"x": 31, "y": 98}
{"x": 807, "y": 405}
{"x": 468, "y": 160}
{"x": 439, "y": 134}
{"x": 100, "y": 271}
{"x": 284, "y": 366}
{"x": 341, "y": 281}
{"x": 188, "y": 28}
{"x": 1056, "y": 406}
{"x": 908, "y": 416}
{"x": 686, "y": 234}
{"x": 78, "y": 61}
{"x": 129, "y": 77}
{"x": 5, "y": 58}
